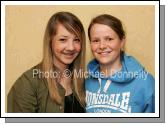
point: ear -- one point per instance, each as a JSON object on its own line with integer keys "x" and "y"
{"x": 123, "y": 42}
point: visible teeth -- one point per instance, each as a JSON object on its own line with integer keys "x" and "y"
{"x": 104, "y": 52}
{"x": 69, "y": 53}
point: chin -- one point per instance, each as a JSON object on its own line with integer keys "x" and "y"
{"x": 68, "y": 62}
{"x": 104, "y": 62}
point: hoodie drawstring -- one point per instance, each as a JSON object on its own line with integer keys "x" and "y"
{"x": 105, "y": 87}
{"x": 100, "y": 85}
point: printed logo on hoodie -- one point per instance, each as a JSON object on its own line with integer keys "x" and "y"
{"x": 103, "y": 103}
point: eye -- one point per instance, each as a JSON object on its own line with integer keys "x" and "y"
{"x": 62, "y": 40}
{"x": 109, "y": 39}
{"x": 76, "y": 40}
{"x": 95, "y": 41}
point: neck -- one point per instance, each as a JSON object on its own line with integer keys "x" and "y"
{"x": 64, "y": 81}
{"x": 111, "y": 68}
{"x": 61, "y": 66}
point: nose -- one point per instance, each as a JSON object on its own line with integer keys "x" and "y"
{"x": 102, "y": 45}
{"x": 70, "y": 45}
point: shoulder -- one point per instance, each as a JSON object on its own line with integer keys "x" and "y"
{"x": 150, "y": 81}
{"x": 150, "y": 78}
{"x": 88, "y": 79}
{"x": 91, "y": 83}
{"x": 146, "y": 83}
{"x": 146, "y": 78}
{"x": 29, "y": 79}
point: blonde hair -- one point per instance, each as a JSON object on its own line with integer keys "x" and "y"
{"x": 74, "y": 25}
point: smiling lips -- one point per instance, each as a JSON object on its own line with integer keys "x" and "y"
{"x": 105, "y": 53}
{"x": 70, "y": 54}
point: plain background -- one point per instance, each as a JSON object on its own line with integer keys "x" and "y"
{"x": 25, "y": 25}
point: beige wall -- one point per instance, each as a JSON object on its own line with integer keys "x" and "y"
{"x": 25, "y": 28}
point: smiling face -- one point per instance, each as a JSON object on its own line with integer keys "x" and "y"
{"x": 105, "y": 44}
{"x": 65, "y": 46}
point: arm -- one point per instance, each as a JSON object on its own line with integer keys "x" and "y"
{"x": 150, "y": 91}
{"x": 22, "y": 96}
{"x": 150, "y": 105}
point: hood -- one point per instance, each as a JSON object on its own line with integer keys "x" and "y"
{"x": 130, "y": 69}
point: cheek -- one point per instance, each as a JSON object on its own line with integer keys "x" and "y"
{"x": 78, "y": 47}
{"x": 57, "y": 47}
{"x": 116, "y": 46}
{"x": 93, "y": 48}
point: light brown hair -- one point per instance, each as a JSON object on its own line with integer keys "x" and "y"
{"x": 111, "y": 21}
{"x": 73, "y": 25}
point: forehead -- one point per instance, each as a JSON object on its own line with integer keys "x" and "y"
{"x": 101, "y": 29}
{"x": 62, "y": 30}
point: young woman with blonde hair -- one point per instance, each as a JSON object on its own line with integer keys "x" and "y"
{"x": 51, "y": 85}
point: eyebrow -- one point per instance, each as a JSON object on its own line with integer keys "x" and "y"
{"x": 108, "y": 36}
{"x": 63, "y": 36}
{"x": 104, "y": 36}
{"x": 95, "y": 38}
{"x": 67, "y": 36}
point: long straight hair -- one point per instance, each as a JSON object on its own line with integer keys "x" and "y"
{"x": 73, "y": 25}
